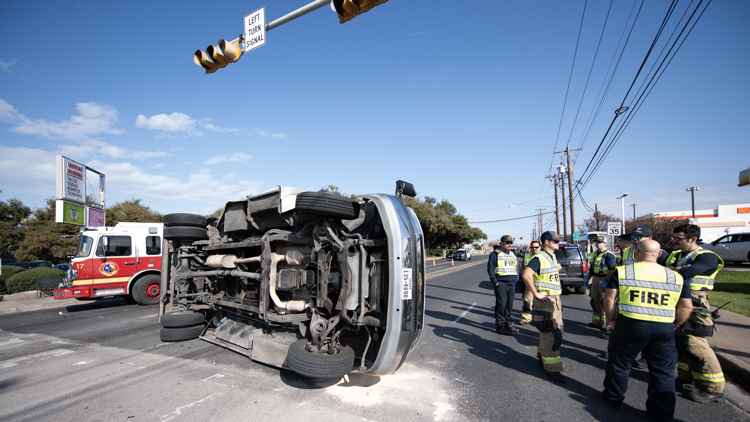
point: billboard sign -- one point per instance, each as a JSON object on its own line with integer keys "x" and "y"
{"x": 71, "y": 180}
{"x": 69, "y": 212}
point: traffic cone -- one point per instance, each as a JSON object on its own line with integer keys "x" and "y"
{"x": 451, "y": 262}
{"x": 433, "y": 262}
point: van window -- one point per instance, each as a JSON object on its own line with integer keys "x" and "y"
{"x": 153, "y": 245}
{"x": 116, "y": 246}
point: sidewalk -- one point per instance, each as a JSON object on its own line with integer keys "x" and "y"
{"x": 28, "y": 301}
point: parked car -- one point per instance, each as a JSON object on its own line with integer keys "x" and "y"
{"x": 462, "y": 255}
{"x": 731, "y": 248}
{"x": 63, "y": 267}
{"x": 30, "y": 264}
{"x": 449, "y": 255}
{"x": 574, "y": 267}
{"x": 308, "y": 281}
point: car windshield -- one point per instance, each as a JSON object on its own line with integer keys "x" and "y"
{"x": 84, "y": 246}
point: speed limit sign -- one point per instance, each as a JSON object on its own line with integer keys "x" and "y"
{"x": 614, "y": 228}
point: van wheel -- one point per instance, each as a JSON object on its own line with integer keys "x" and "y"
{"x": 311, "y": 363}
{"x": 182, "y": 219}
{"x": 185, "y": 233}
{"x": 581, "y": 290}
{"x": 181, "y": 334}
{"x": 179, "y": 319}
{"x": 328, "y": 204}
{"x": 147, "y": 289}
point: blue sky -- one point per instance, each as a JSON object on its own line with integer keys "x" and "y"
{"x": 467, "y": 103}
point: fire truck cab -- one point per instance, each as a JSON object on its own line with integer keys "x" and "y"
{"x": 124, "y": 260}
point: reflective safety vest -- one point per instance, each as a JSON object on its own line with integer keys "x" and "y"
{"x": 506, "y": 263}
{"x": 648, "y": 292}
{"x": 527, "y": 258}
{"x": 599, "y": 263}
{"x": 699, "y": 282}
{"x": 548, "y": 279}
{"x": 628, "y": 256}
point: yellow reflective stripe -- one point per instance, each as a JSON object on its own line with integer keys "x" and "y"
{"x": 708, "y": 377}
{"x": 597, "y": 317}
{"x": 684, "y": 366}
{"x": 552, "y": 360}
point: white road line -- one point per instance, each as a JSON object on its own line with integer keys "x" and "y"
{"x": 464, "y": 313}
{"x": 177, "y": 412}
{"x": 44, "y": 355}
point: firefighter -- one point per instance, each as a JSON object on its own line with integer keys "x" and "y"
{"x": 542, "y": 278}
{"x": 603, "y": 262}
{"x": 652, "y": 301}
{"x": 696, "y": 362}
{"x": 502, "y": 267}
{"x": 528, "y": 298}
{"x": 624, "y": 242}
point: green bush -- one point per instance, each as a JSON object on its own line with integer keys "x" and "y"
{"x": 8, "y": 272}
{"x": 26, "y": 280}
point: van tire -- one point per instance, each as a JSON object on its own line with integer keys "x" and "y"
{"x": 185, "y": 233}
{"x": 320, "y": 365}
{"x": 580, "y": 290}
{"x": 179, "y": 319}
{"x": 183, "y": 219}
{"x": 181, "y": 334}
{"x": 147, "y": 289}
{"x": 328, "y": 204}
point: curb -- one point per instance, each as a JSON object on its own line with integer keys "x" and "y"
{"x": 50, "y": 305}
{"x": 737, "y": 369}
{"x": 19, "y": 296}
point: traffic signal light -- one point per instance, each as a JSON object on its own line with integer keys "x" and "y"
{"x": 350, "y": 9}
{"x": 218, "y": 56}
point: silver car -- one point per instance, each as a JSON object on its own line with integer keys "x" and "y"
{"x": 731, "y": 248}
{"x": 315, "y": 282}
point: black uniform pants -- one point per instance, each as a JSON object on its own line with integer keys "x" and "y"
{"x": 657, "y": 345}
{"x": 504, "y": 295}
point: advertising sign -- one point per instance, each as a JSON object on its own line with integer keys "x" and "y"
{"x": 68, "y": 212}
{"x": 71, "y": 180}
{"x": 95, "y": 217}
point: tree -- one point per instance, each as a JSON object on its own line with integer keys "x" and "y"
{"x": 216, "y": 213}
{"x": 441, "y": 223}
{"x": 12, "y": 213}
{"x": 662, "y": 229}
{"x": 131, "y": 211}
{"x": 45, "y": 239}
{"x": 598, "y": 221}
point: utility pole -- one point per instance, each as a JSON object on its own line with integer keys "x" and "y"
{"x": 633, "y": 205}
{"x": 596, "y": 215}
{"x": 557, "y": 204}
{"x": 565, "y": 217}
{"x": 570, "y": 187}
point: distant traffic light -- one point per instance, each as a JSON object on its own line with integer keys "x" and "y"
{"x": 350, "y": 9}
{"x": 218, "y": 56}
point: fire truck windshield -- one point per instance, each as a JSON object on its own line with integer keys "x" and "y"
{"x": 84, "y": 246}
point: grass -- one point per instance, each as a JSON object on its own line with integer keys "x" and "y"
{"x": 732, "y": 286}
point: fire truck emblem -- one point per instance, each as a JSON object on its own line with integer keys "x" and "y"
{"x": 109, "y": 269}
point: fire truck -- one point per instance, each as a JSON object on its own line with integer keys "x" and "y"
{"x": 124, "y": 260}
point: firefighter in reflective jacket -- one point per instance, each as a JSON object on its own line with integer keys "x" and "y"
{"x": 696, "y": 361}
{"x": 528, "y": 298}
{"x": 602, "y": 264}
{"x": 542, "y": 278}
{"x": 653, "y": 300}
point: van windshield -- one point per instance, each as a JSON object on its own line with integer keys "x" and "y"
{"x": 84, "y": 246}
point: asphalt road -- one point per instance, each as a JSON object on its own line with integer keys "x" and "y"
{"x": 104, "y": 361}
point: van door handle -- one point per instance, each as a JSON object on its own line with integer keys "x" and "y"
{"x": 129, "y": 263}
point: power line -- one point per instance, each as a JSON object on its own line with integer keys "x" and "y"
{"x": 510, "y": 219}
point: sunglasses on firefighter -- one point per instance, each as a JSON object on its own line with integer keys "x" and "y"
{"x": 637, "y": 237}
{"x": 508, "y": 243}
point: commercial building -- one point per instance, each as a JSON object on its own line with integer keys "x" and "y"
{"x": 723, "y": 220}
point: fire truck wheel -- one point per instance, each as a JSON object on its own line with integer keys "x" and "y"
{"x": 182, "y": 319}
{"x": 185, "y": 233}
{"x": 182, "y": 219}
{"x": 329, "y": 204}
{"x": 146, "y": 290}
{"x": 314, "y": 364}
{"x": 181, "y": 334}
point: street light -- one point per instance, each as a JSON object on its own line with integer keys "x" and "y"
{"x": 633, "y": 205}
{"x": 621, "y": 198}
{"x": 692, "y": 196}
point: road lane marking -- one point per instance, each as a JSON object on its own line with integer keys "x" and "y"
{"x": 464, "y": 313}
{"x": 178, "y": 412}
{"x": 451, "y": 270}
{"x": 44, "y": 355}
